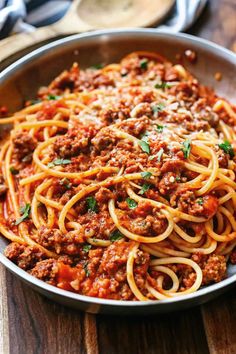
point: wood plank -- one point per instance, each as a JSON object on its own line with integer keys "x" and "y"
{"x": 217, "y": 23}
{"x": 40, "y": 326}
{"x": 4, "y": 333}
{"x": 178, "y": 333}
{"x": 90, "y": 334}
{"x": 220, "y": 321}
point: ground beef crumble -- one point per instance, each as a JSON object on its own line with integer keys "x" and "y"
{"x": 53, "y": 239}
{"x": 46, "y": 270}
{"x": 213, "y": 267}
{"x": 25, "y": 257}
{"x": 23, "y": 145}
{"x": 187, "y": 202}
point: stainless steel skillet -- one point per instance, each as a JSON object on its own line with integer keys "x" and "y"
{"x": 21, "y": 80}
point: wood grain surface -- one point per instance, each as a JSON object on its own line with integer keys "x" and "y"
{"x": 30, "y": 323}
{"x": 80, "y": 18}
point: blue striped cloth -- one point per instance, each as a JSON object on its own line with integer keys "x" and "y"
{"x": 25, "y": 16}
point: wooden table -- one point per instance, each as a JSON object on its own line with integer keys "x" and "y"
{"x": 30, "y": 323}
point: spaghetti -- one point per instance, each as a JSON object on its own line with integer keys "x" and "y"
{"x": 119, "y": 182}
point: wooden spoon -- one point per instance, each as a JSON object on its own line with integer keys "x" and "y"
{"x": 86, "y": 15}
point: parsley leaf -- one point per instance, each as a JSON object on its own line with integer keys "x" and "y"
{"x": 159, "y": 154}
{"x": 86, "y": 248}
{"x": 91, "y": 204}
{"x": 53, "y": 97}
{"x": 152, "y": 157}
{"x": 200, "y": 201}
{"x": 124, "y": 73}
{"x": 227, "y": 148}
{"x": 27, "y": 158}
{"x": 13, "y": 171}
{"x": 145, "y": 145}
{"x": 132, "y": 204}
{"x": 145, "y": 137}
{"x": 116, "y": 235}
{"x": 144, "y": 64}
{"x": 65, "y": 182}
{"x": 162, "y": 85}
{"x": 58, "y": 162}
{"x": 96, "y": 66}
{"x": 85, "y": 266}
{"x": 187, "y": 148}
{"x": 158, "y": 107}
{"x": 24, "y": 211}
{"x": 145, "y": 188}
{"x": 160, "y": 128}
{"x": 146, "y": 174}
{"x": 178, "y": 179}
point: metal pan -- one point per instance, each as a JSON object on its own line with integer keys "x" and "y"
{"x": 21, "y": 80}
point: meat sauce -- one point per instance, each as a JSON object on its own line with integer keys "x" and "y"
{"x": 88, "y": 143}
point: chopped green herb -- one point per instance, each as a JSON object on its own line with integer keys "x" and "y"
{"x": 152, "y": 157}
{"x": 159, "y": 154}
{"x": 162, "y": 85}
{"x": 123, "y": 74}
{"x": 96, "y": 66}
{"x": 27, "y": 158}
{"x": 145, "y": 145}
{"x": 187, "y": 148}
{"x": 91, "y": 204}
{"x": 144, "y": 64}
{"x": 146, "y": 174}
{"x": 86, "y": 248}
{"x": 65, "y": 182}
{"x": 85, "y": 266}
{"x": 132, "y": 204}
{"x": 145, "y": 136}
{"x": 24, "y": 211}
{"x": 227, "y": 148}
{"x": 13, "y": 171}
{"x": 51, "y": 164}
{"x": 23, "y": 208}
{"x": 158, "y": 107}
{"x": 116, "y": 235}
{"x": 58, "y": 162}
{"x": 200, "y": 201}
{"x": 178, "y": 179}
{"x": 53, "y": 97}
{"x": 160, "y": 128}
{"x": 145, "y": 188}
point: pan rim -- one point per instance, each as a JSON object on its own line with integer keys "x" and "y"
{"x": 13, "y": 68}
{"x": 202, "y": 43}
